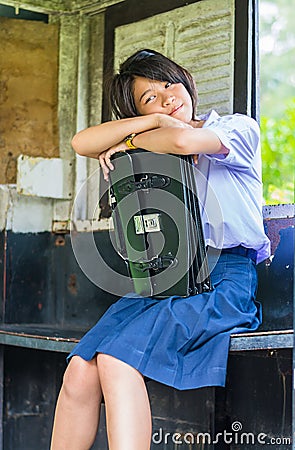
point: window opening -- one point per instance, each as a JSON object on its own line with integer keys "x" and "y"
{"x": 277, "y": 99}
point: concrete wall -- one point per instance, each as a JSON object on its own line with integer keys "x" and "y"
{"x": 28, "y": 92}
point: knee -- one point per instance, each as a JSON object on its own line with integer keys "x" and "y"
{"x": 81, "y": 379}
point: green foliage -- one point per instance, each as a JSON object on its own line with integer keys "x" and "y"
{"x": 277, "y": 55}
{"x": 278, "y": 148}
{"x": 277, "y": 99}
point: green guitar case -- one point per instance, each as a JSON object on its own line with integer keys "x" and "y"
{"x": 157, "y": 223}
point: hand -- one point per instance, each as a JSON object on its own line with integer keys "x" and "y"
{"x": 105, "y": 158}
{"x": 195, "y": 159}
{"x": 164, "y": 121}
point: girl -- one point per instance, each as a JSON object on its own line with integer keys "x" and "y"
{"x": 181, "y": 342}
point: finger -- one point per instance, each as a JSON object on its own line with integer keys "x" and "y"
{"x": 104, "y": 168}
{"x": 105, "y": 172}
{"x": 108, "y": 156}
{"x": 109, "y": 164}
{"x": 102, "y": 162}
{"x": 105, "y": 175}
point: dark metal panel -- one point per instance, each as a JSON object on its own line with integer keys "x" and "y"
{"x": 2, "y": 272}
{"x": 276, "y": 276}
{"x": 194, "y": 406}
{"x": 29, "y": 283}
{"x": 1, "y": 394}
{"x": 79, "y": 302}
{"x": 32, "y": 382}
{"x": 101, "y": 437}
{"x": 259, "y": 397}
{"x": 45, "y": 285}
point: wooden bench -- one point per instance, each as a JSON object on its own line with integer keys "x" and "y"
{"x": 57, "y": 341}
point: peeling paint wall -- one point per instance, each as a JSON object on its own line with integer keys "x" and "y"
{"x": 28, "y": 92}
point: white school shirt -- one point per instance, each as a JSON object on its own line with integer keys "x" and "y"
{"x": 230, "y": 186}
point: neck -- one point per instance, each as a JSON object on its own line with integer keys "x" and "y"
{"x": 197, "y": 123}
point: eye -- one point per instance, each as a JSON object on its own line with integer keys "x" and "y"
{"x": 168, "y": 84}
{"x": 149, "y": 99}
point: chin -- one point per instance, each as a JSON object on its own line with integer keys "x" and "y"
{"x": 183, "y": 117}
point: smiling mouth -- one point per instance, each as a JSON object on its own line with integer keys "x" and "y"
{"x": 175, "y": 110}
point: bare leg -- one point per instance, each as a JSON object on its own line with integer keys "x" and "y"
{"x": 127, "y": 405}
{"x": 78, "y": 407}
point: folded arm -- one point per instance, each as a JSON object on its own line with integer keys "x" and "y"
{"x": 93, "y": 141}
{"x": 157, "y": 133}
{"x": 180, "y": 141}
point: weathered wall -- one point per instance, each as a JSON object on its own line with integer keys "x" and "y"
{"x": 28, "y": 92}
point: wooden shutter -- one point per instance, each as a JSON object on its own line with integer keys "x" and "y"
{"x": 199, "y": 36}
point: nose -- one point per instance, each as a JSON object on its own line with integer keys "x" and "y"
{"x": 168, "y": 99}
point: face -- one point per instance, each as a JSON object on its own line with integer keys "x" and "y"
{"x": 152, "y": 96}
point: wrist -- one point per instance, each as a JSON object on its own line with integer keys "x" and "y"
{"x": 156, "y": 120}
{"x": 129, "y": 141}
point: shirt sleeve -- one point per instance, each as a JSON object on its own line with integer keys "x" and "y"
{"x": 240, "y": 135}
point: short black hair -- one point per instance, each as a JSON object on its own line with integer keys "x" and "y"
{"x": 148, "y": 64}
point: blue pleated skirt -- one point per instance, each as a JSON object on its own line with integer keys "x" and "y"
{"x": 181, "y": 342}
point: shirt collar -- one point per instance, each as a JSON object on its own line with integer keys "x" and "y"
{"x": 209, "y": 118}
